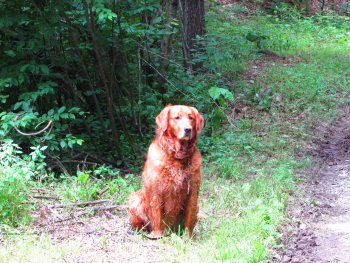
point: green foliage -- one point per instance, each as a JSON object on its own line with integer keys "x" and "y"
{"x": 79, "y": 65}
{"x": 257, "y": 38}
{"x": 221, "y": 95}
{"x": 87, "y": 185}
{"x": 37, "y": 248}
{"x": 15, "y": 176}
{"x": 227, "y": 47}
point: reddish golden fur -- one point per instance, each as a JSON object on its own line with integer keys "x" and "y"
{"x": 171, "y": 175}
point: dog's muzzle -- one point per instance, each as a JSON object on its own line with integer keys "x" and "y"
{"x": 188, "y": 131}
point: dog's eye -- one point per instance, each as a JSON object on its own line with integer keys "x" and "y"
{"x": 190, "y": 117}
{"x": 177, "y": 118}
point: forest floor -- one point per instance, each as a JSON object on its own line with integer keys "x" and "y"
{"x": 321, "y": 211}
{"x": 319, "y": 214}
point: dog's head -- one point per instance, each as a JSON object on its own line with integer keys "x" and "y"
{"x": 179, "y": 121}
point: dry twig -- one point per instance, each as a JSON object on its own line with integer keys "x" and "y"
{"x": 45, "y": 197}
{"x": 103, "y": 191}
{"x": 91, "y": 209}
{"x": 81, "y": 203}
{"x": 49, "y": 125}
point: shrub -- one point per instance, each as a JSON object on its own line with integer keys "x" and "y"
{"x": 15, "y": 175}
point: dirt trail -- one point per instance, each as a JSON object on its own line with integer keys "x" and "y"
{"x": 322, "y": 211}
{"x": 101, "y": 238}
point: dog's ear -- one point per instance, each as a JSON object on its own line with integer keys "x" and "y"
{"x": 199, "y": 123}
{"x": 199, "y": 120}
{"x": 162, "y": 119}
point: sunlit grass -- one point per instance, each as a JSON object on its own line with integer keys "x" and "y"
{"x": 27, "y": 248}
{"x": 252, "y": 167}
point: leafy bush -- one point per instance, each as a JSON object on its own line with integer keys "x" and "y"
{"x": 15, "y": 180}
{"x": 94, "y": 68}
{"x": 88, "y": 185}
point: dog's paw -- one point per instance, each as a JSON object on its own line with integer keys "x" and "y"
{"x": 130, "y": 232}
{"x": 156, "y": 234}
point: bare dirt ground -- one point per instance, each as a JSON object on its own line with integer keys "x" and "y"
{"x": 321, "y": 210}
{"x": 103, "y": 237}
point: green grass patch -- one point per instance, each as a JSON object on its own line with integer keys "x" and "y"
{"x": 15, "y": 180}
{"x": 26, "y": 248}
{"x": 102, "y": 182}
{"x": 251, "y": 167}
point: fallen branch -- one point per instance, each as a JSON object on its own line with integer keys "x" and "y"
{"x": 109, "y": 215}
{"x": 49, "y": 125}
{"x": 45, "y": 197}
{"x": 59, "y": 164}
{"x": 92, "y": 209}
{"x": 104, "y": 208}
{"x": 103, "y": 191}
{"x": 39, "y": 190}
{"x": 81, "y": 204}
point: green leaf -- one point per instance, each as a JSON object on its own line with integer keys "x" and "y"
{"x": 63, "y": 144}
{"x": 62, "y": 109}
{"x": 174, "y": 22}
{"x": 10, "y": 53}
{"x": 216, "y": 92}
{"x": 64, "y": 116}
{"x": 43, "y": 148}
{"x": 83, "y": 177}
{"x": 157, "y": 20}
{"x": 44, "y": 69}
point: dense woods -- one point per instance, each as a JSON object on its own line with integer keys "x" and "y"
{"x": 99, "y": 70}
{"x": 95, "y": 74}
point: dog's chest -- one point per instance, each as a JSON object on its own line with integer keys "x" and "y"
{"x": 176, "y": 185}
{"x": 176, "y": 178}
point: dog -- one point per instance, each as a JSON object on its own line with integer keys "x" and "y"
{"x": 171, "y": 175}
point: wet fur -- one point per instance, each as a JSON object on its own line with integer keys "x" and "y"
{"x": 171, "y": 176}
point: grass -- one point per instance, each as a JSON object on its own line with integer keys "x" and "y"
{"x": 14, "y": 174}
{"x": 251, "y": 166}
{"x": 245, "y": 192}
{"x": 38, "y": 249}
{"x": 88, "y": 185}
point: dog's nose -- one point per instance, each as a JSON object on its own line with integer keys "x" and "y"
{"x": 188, "y": 131}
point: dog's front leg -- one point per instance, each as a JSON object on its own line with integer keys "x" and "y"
{"x": 157, "y": 216}
{"x": 191, "y": 210}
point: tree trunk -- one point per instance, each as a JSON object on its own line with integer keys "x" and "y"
{"x": 192, "y": 20}
{"x": 171, "y": 7}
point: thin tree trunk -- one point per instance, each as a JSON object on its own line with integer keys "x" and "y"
{"x": 165, "y": 46}
{"x": 101, "y": 68}
{"x": 192, "y": 20}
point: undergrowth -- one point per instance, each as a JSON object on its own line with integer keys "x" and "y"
{"x": 15, "y": 180}
{"x": 252, "y": 165}
{"x": 88, "y": 185}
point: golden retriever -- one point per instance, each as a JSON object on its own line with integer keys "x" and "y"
{"x": 171, "y": 176}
